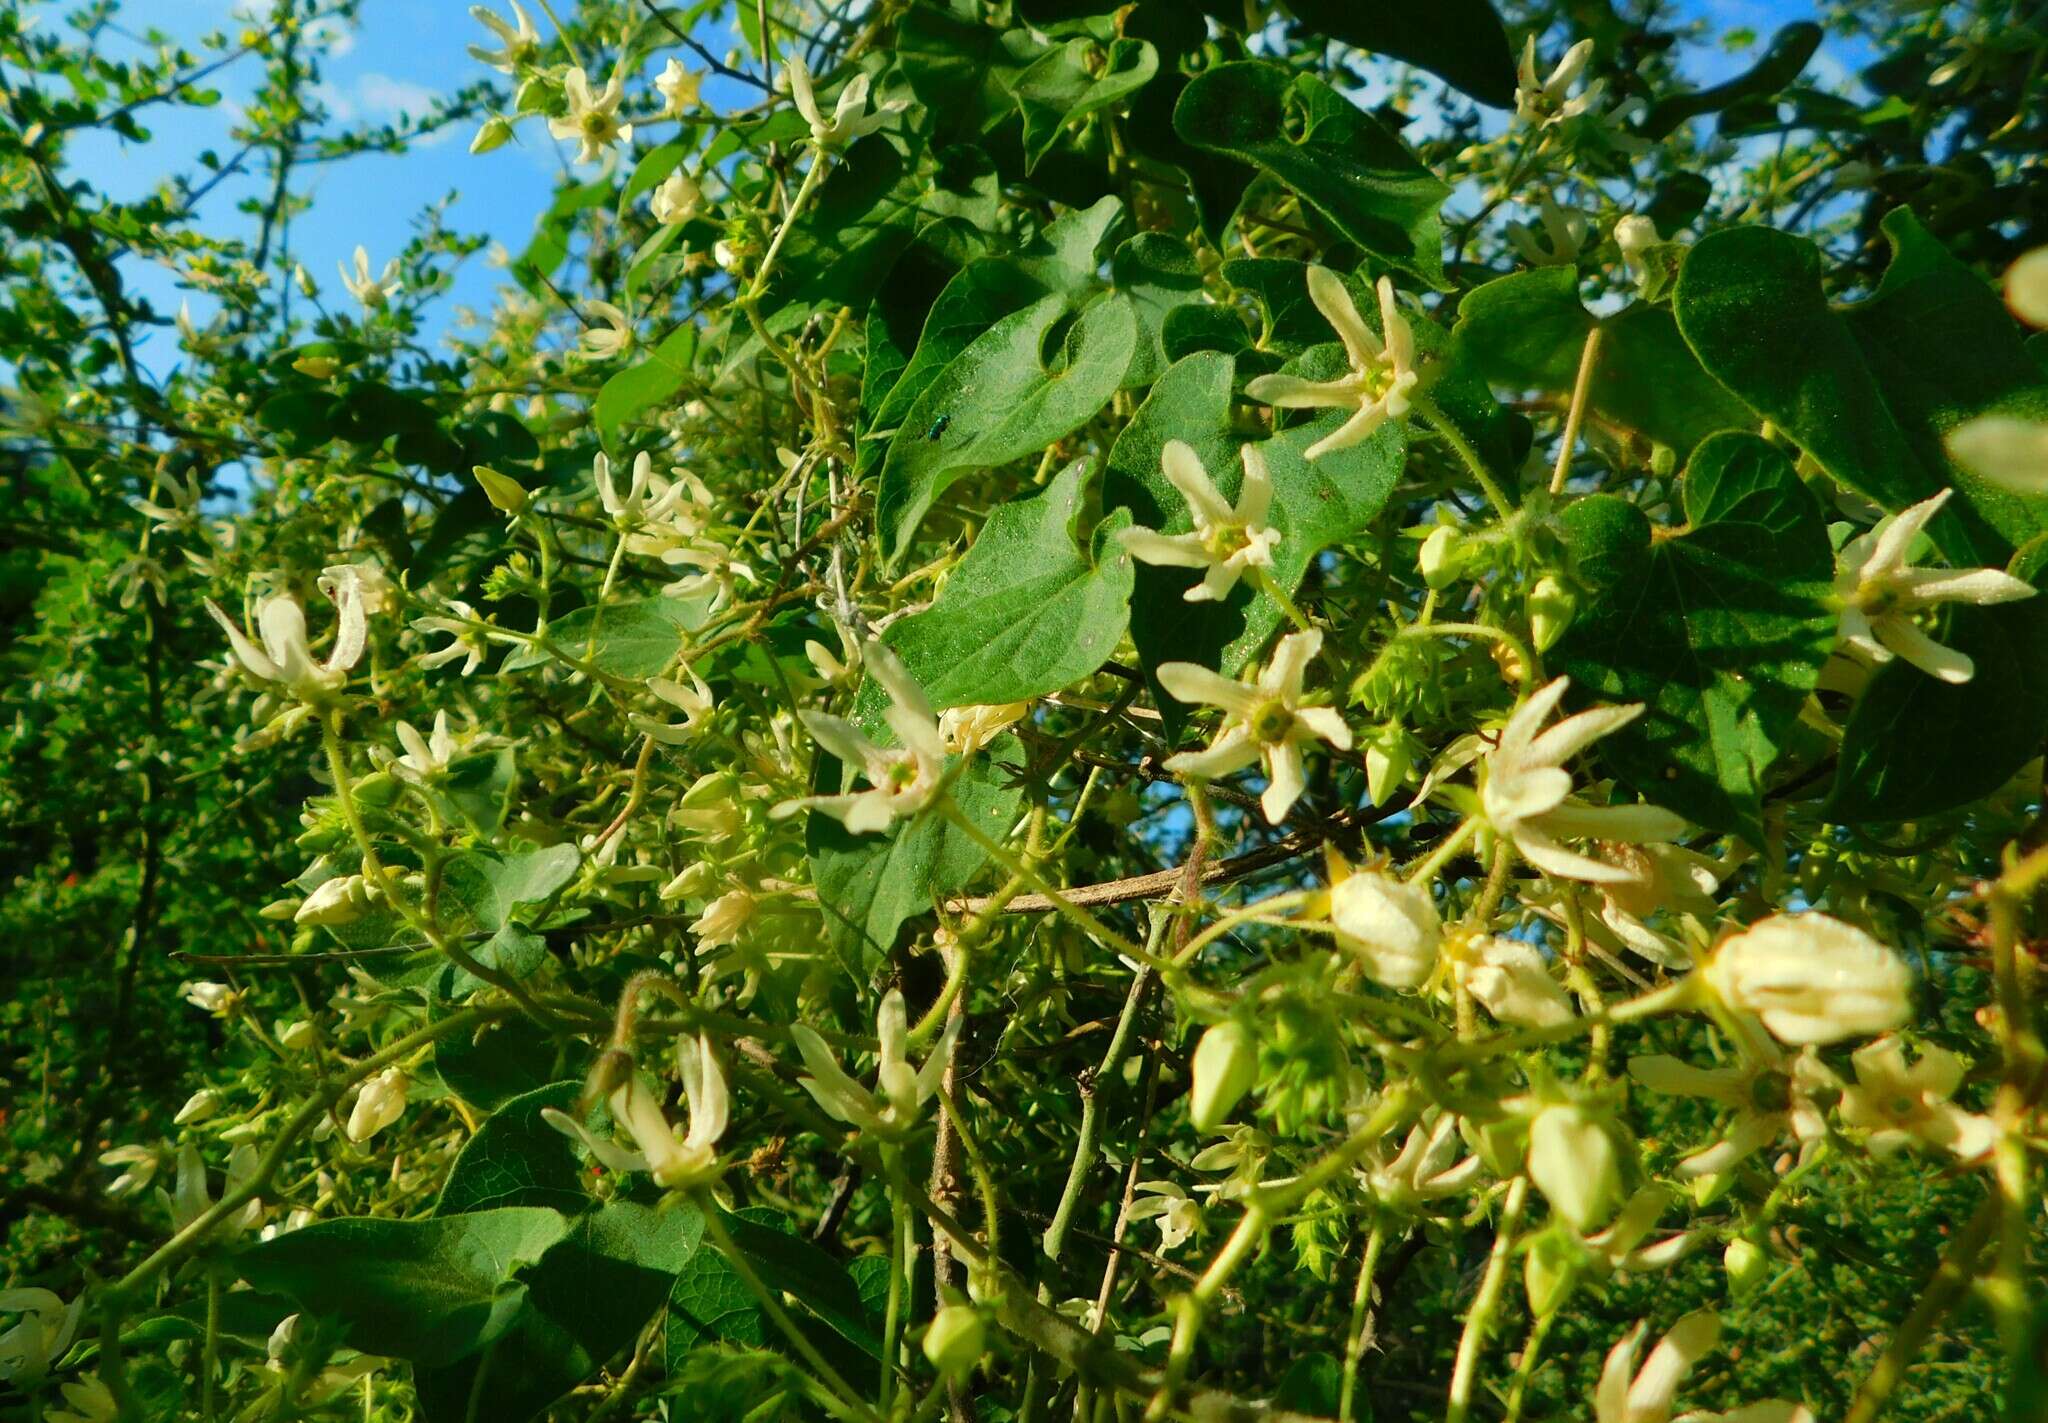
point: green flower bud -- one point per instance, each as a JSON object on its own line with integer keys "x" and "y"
{"x": 1549, "y": 1271}
{"x": 1663, "y": 461}
{"x": 506, "y": 494}
{"x": 1572, "y": 1161}
{"x": 378, "y": 790}
{"x": 496, "y": 133}
{"x": 1550, "y": 606}
{"x": 1746, "y": 1264}
{"x": 955, "y": 1340}
{"x": 1226, "y": 1065}
{"x": 1437, "y": 560}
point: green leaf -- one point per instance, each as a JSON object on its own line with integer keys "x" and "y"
{"x": 1871, "y": 390}
{"x": 634, "y": 639}
{"x": 711, "y": 1304}
{"x": 1028, "y": 611}
{"x": 869, "y": 885}
{"x": 431, "y": 1291}
{"x": 1462, "y": 42}
{"x": 1075, "y": 80}
{"x": 1160, "y": 276}
{"x": 586, "y": 1301}
{"x": 478, "y": 788}
{"x": 1528, "y": 331}
{"x": 1720, "y": 630}
{"x": 1314, "y": 506}
{"x": 516, "y": 1159}
{"x": 1790, "y": 49}
{"x": 653, "y": 380}
{"x": 490, "y": 887}
{"x": 996, "y": 401}
{"x": 1346, "y": 164}
{"x": 1917, "y": 746}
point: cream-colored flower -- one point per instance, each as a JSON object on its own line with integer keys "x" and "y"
{"x": 724, "y": 919}
{"x": 2009, "y": 452}
{"x": 209, "y": 997}
{"x": 611, "y": 337}
{"x": 372, "y": 292}
{"x": 285, "y": 657}
{"x": 1426, "y": 1168}
{"x": 1620, "y": 1246}
{"x": 180, "y": 506}
{"x": 1769, "y": 1100}
{"x": 900, "y": 1090}
{"x": 191, "y": 1198}
{"x": 39, "y": 1337}
{"x": 1225, "y": 540}
{"x": 425, "y": 756}
{"x": 1555, "y": 239}
{"x": 2026, "y": 287}
{"x": 1812, "y": 978}
{"x": 1509, "y": 979}
{"x": 1544, "y": 102}
{"x": 674, "y": 1162}
{"x": 679, "y": 87}
{"x": 468, "y": 643}
{"x": 200, "y": 1106}
{"x": 694, "y": 702}
{"x": 1880, "y": 593}
{"x": 137, "y": 1165}
{"x": 965, "y": 730}
{"x": 677, "y": 199}
{"x": 1635, "y": 236}
{"x": 593, "y": 118}
{"x": 648, "y": 498}
{"x": 1899, "y": 1104}
{"x": 362, "y": 582}
{"x": 1392, "y": 927}
{"x": 1264, "y": 720}
{"x": 850, "y": 117}
{"x": 1573, "y": 1163}
{"x": 903, "y": 779}
{"x": 518, "y": 46}
{"x": 1626, "y": 1394}
{"x": 341, "y": 900}
{"x": 380, "y": 1103}
{"x": 1383, "y": 377}
{"x": 1526, "y": 790}
{"x": 1178, "y": 1215}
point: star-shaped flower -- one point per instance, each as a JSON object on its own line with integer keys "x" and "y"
{"x": 518, "y": 46}
{"x": 1225, "y": 540}
{"x": 1382, "y": 377}
{"x": 593, "y": 118}
{"x": 1264, "y": 720}
{"x": 903, "y": 779}
{"x": 900, "y": 1090}
{"x": 371, "y": 291}
{"x": 1548, "y": 101}
{"x": 673, "y": 1161}
{"x": 850, "y": 116}
{"x": 1900, "y": 1104}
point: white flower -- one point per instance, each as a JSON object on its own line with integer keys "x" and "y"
{"x": 834, "y": 668}
{"x": 378, "y": 1105}
{"x": 2026, "y": 287}
{"x": 850, "y": 119}
{"x": 39, "y": 1338}
{"x": 1898, "y": 1104}
{"x": 190, "y": 1198}
{"x": 1526, "y": 791}
{"x": 723, "y": 919}
{"x": 1880, "y": 594}
{"x": 208, "y": 997}
{"x": 1769, "y": 1099}
{"x": 285, "y": 656}
{"x": 1224, "y": 1068}
{"x": 518, "y": 47}
{"x": 2009, "y": 452}
{"x": 613, "y": 337}
{"x": 1620, "y": 1246}
{"x": 902, "y": 780}
{"x": 694, "y": 702}
{"x": 137, "y": 1165}
{"x": 1546, "y": 102}
{"x": 1382, "y": 377}
{"x": 364, "y": 583}
{"x": 86, "y": 1400}
{"x": 1178, "y": 1215}
{"x": 1510, "y": 980}
{"x": 593, "y": 119}
{"x": 372, "y": 292}
{"x": 341, "y": 900}
{"x": 1264, "y": 720}
{"x": 677, "y": 199}
{"x": 425, "y": 757}
{"x": 1426, "y": 1168}
{"x": 1554, "y": 240}
{"x": 468, "y": 639}
{"x": 636, "y": 506}
{"x": 900, "y": 1092}
{"x": 689, "y": 1160}
{"x": 1391, "y": 926}
{"x": 198, "y": 1107}
{"x": 1226, "y": 541}
{"x": 181, "y": 503}
{"x": 678, "y": 86}
{"x": 1635, "y": 236}
{"x": 1628, "y": 1395}
{"x": 965, "y": 730}
{"x": 1572, "y": 1161}
{"x": 1812, "y": 978}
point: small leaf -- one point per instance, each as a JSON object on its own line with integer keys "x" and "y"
{"x": 1076, "y": 79}
{"x": 634, "y": 639}
{"x": 653, "y": 380}
{"x": 1460, "y": 41}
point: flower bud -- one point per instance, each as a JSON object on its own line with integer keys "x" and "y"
{"x": 1663, "y": 461}
{"x": 1389, "y": 757}
{"x": 198, "y": 1107}
{"x": 507, "y": 495}
{"x": 1746, "y": 1264}
{"x": 1436, "y": 558}
{"x": 1635, "y": 236}
{"x": 378, "y": 1105}
{"x": 1391, "y": 926}
{"x": 495, "y": 133}
{"x": 1812, "y": 979}
{"x": 1226, "y": 1065}
{"x": 317, "y": 367}
{"x": 1550, "y": 606}
{"x": 378, "y": 790}
{"x": 954, "y": 1341}
{"x": 1572, "y": 1161}
{"x": 304, "y": 280}
{"x": 340, "y": 900}
{"x": 1548, "y": 1272}
{"x": 298, "y": 1036}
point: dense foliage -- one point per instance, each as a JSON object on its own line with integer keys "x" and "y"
{"x": 1226, "y": 710}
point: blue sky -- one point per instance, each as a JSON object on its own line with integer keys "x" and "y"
{"x": 402, "y": 55}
